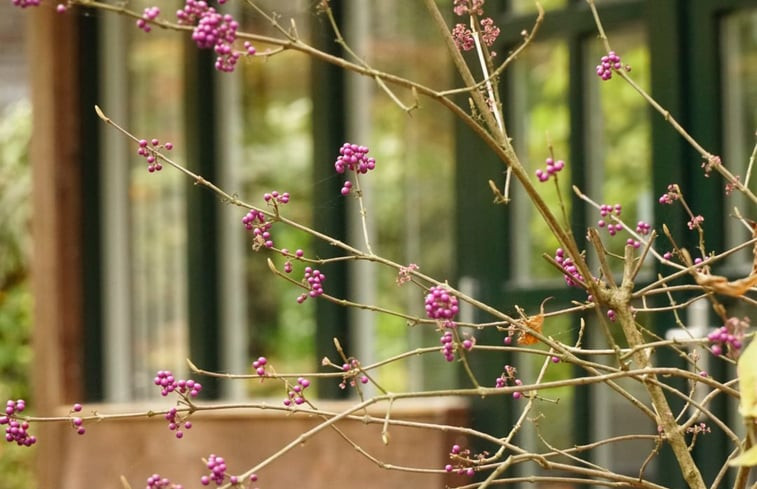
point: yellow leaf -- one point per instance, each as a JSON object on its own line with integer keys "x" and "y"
{"x": 748, "y": 458}
{"x": 747, "y": 371}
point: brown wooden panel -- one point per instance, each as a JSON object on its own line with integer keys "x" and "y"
{"x": 56, "y": 261}
{"x": 138, "y": 448}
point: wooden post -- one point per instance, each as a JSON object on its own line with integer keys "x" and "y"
{"x": 56, "y": 226}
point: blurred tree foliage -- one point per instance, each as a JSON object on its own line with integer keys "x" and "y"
{"x": 15, "y": 295}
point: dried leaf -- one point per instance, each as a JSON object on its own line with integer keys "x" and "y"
{"x": 748, "y": 458}
{"x": 747, "y": 372}
{"x": 125, "y": 483}
{"x": 533, "y": 322}
{"x": 721, "y": 285}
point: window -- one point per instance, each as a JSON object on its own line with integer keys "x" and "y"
{"x": 143, "y": 223}
{"x": 738, "y": 52}
{"x": 608, "y": 137}
{"x": 180, "y": 279}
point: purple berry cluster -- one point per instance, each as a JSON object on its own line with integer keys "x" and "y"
{"x": 155, "y": 481}
{"x": 608, "y": 63}
{"x": 606, "y": 210}
{"x": 695, "y": 222}
{"x": 25, "y": 3}
{"x": 149, "y": 15}
{"x": 729, "y": 338}
{"x": 213, "y": 31}
{"x": 552, "y": 168}
{"x": 462, "y": 34}
{"x": 448, "y": 343}
{"x": 192, "y": 11}
{"x": 249, "y": 48}
{"x": 671, "y": 195}
{"x": 217, "y": 467}
{"x": 463, "y": 37}
{"x": 468, "y": 343}
{"x": 405, "y": 274}
{"x": 351, "y": 370}
{"x": 509, "y": 376}
{"x": 571, "y": 271}
{"x": 176, "y": 422}
{"x": 149, "y": 151}
{"x": 260, "y": 226}
{"x": 643, "y": 228}
{"x": 16, "y": 430}
{"x": 296, "y": 394}
{"x": 448, "y": 346}
{"x": 78, "y": 425}
{"x": 288, "y": 264}
{"x": 259, "y": 366}
{"x": 314, "y": 278}
{"x": 76, "y": 421}
{"x": 257, "y": 222}
{"x": 353, "y": 158}
{"x": 633, "y": 242}
{"x": 489, "y": 32}
{"x": 460, "y": 456}
{"x": 218, "y": 31}
{"x": 472, "y": 7}
{"x": 275, "y": 198}
{"x": 167, "y": 383}
{"x": 440, "y": 304}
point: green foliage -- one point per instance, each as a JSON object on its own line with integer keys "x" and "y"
{"x": 15, "y": 351}
{"x": 15, "y": 296}
{"x": 15, "y": 187}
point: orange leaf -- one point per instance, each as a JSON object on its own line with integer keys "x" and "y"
{"x": 535, "y": 323}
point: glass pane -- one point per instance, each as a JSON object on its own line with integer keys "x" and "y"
{"x": 13, "y": 68}
{"x": 739, "y": 55}
{"x": 275, "y": 141}
{"x": 539, "y": 119}
{"x": 627, "y": 456}
{"x": 157, "y": 205}
{"x": 618, "y": 169}
{"x": 416, "y": 161}
{"x": 618, "y": 140}
{"x": 277, "y": 114}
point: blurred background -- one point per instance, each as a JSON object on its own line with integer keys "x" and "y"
{"x": 163, "y": 271}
